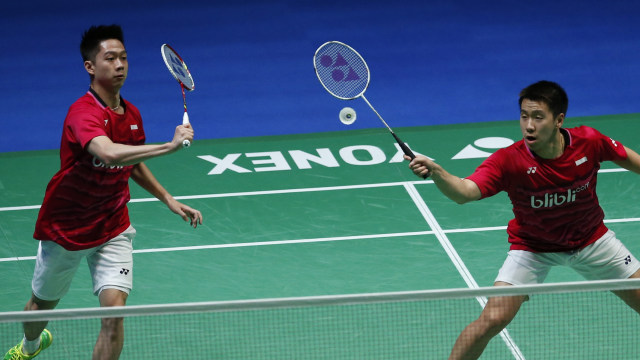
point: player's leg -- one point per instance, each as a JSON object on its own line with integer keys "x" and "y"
{"x": 497, "y": 314}
{"x": 32, "y": 330}
{"x": 631, "y": 297}
{"x": 111, "y": 337}
{"x": 52, "y": 276}
{"x": 111, "y": 266}
{"x": 520, "y": 268}
{"x": 36, "y": 338}
{"x": 620, "y": 264}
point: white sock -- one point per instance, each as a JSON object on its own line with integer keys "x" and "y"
{"x": 29, "y": 347}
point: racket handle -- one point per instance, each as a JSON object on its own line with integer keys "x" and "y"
{"x": 185, "y": 121}
{"x": 405, "y": 149}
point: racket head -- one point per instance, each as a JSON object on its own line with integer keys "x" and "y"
{"x": 177, "y": 67}
{"x": 341, "y": 70}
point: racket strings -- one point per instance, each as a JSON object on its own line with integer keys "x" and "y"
{"x": 177, "y": 67}
{"x": 181, "y": 73}
{"x": 341, "y": 70}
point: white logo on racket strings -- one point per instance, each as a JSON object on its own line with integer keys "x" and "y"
{"x": 556, "y": 199}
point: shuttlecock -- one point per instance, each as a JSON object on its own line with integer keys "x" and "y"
{"x": 347, "y": 116}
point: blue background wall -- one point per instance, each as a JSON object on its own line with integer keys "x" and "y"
{"x": 432, "y": 62}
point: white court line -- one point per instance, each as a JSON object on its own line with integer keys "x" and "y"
{"x": 260, "y": 243}
{"x": 16, "y": 208}
{"x": 440, "y": 235}
{"x": 492, "y": 228}
{"x": 250, "y": 193}
{"x": 612, "y": 221}
{"x": 328, "y": 239}
{"x": 287, "y": 242}
{"x": 457, "y": 261}
{"x": 612, "y": 170}
{"x": 19, "y": 258}
{"x": 274, "y": 192}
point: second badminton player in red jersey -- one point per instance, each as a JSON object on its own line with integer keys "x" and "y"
{"x": 84, "y": 212}
{"x": 554, "y": 200}
{"x": 550, "y": 176}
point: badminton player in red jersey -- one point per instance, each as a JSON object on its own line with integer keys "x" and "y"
{"x": 84, "y": 212}
{"x": 550, "y": 176}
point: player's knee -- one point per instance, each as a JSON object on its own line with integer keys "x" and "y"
{"x": 631, "y": 298}
{"x": 113, "y": 326}
{"x": 112, "y": 297}
{"x": 494, "y": 321}
{"x": 36, "y": 303}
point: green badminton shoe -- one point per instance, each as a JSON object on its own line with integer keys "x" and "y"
{"x": 15, "y": 353}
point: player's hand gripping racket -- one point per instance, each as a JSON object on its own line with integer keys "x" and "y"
{"x": 345, "y": 75}
{"x": 179, "y": 70}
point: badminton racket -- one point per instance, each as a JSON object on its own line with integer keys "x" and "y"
{"x": 180, "y": 72}
{"x": 345, "y": 75}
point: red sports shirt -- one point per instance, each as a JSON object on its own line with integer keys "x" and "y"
{"x": 554, "y": 201}
{"x": 85, "y": 203}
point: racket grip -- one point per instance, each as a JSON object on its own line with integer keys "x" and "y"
{"x": 185, "y": 121}
{"x": 406, "y": 149}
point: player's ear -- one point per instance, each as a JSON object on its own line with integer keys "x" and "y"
{"x": 559, "y": 120}
{"x": 88, "y": 65}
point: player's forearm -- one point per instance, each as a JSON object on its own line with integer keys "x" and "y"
{"x": 129, "y": 155}
{"x": 114, "y": 154}
{"x": 144, "y": 177}
{"x": 459, "y": 190}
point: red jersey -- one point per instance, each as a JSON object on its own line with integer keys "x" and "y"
{"x": 554, "y": 201}
{"x": 85, "y": 203}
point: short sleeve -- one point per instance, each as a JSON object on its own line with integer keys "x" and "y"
{"x": 84, "y": 124}
{"x": 489, "y": 175}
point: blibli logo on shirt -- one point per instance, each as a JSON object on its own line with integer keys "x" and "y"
{"x": 97, "y": 163}
{"x": 556, "y": 199}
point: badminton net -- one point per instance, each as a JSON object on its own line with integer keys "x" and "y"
{"x": 577, "y": 320}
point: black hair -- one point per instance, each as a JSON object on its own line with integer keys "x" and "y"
{"x": 91, "y": 39}
{"x": 548, "y": 92}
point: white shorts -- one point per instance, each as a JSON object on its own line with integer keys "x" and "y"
{"x": 607, "y": 258}
{"x": 110, "y": 264}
